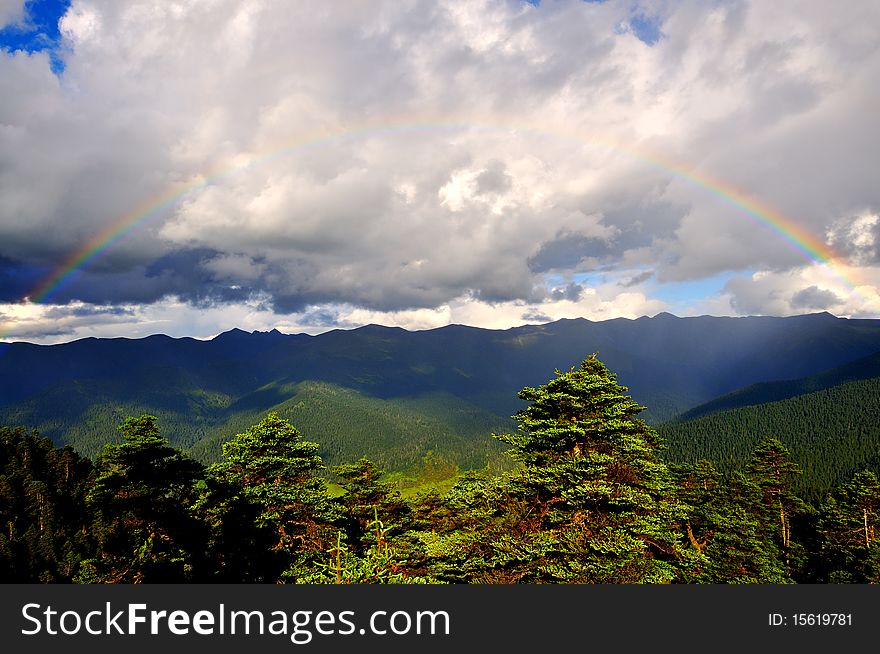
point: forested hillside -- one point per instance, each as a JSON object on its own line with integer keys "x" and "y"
{"x": 591, "y": 500}
{"x": 397, "y": 433}
{"x": 832, "y": 434}
{"x": 414, "y": 394}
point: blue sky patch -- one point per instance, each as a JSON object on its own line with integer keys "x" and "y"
{"x": 646, "y": 28}
{"x": 682, "y": 295}
{"x": 38, "y": 31}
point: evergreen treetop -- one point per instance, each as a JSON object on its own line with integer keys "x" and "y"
{"x": 602, "y": 504}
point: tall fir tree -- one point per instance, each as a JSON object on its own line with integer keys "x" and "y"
{"x": 274, "y": 470}
{"x": 44, "y": 532}
{"x": 595, "y": 502}
{"x": 773, "y": 471}
{"x": 144, "y": 522}
{"x": 366, "y": 499}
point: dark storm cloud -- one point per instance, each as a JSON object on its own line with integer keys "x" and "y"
{"x": 18, "y": 280}
{"x": 323, "y": 317}
{"x": 178, "y": 273}
{"x": 284, "y": 303}
{"x": 571, "y": 292}
{"x": 43, "y": 330}
{"x": 87, "y": 310}
{"x": 498, "y": 184}
{"x": 639, "y": 225}
{"x": 632, "y": 226}
{"x": 814, "y": 298}
{"x": 566, "y": 251}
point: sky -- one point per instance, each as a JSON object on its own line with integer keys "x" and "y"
{"x": 190, "y": 166}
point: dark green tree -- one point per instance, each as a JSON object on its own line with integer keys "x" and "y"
{"x": 44, "y": 532}
{"x": 593, "y": 503}
{"x": 772, "y": 470}
{"x": 365, "y": 500}
{"x": 726, "y": 527}
{"x": 273, "y": 469}
{"x": 142, "y": 499}
{"x": 478, "y": 532}
{"x": 241, "y": 546}
{"x": 848, "y": 528}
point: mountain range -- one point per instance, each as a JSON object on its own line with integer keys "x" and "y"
{"x": 420, "y": 401}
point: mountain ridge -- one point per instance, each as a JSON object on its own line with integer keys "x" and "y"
{"x": 670, "y": 364}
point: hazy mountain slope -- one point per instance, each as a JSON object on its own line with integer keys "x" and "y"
{"x": 85, "y": 413}
{"x": 668, "y": 362}
{"x": 865, "y": 368}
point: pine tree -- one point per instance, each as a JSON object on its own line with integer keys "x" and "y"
{"x": 142, "y": 499}
{"x": 848, "y": 528}
{"x": 772, "y": 470}
{"x": 726, "y": 528}
{"x": 43, "y": 520}
{"x": 273, "y": 469}
{"x": 595, "y": 503}
{"x": 474, "y": 533}
{"x": 366, "y": 500}
{"x": 240, "y": 546}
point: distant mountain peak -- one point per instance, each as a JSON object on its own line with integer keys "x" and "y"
{"x": 373, "y": 327}
{"x": 235, "y": 332}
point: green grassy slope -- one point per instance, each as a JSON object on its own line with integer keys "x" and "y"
{"x": 398, "y": 434}
{"x": 86, "y": 413}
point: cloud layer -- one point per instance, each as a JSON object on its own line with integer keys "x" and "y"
{"x": 418, "y": 163}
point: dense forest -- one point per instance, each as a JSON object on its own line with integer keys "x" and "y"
{"x": 832, "y": 433}
{"x": 591, "y": 498}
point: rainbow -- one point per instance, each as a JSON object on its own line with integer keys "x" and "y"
{"x": 785, "y": 228}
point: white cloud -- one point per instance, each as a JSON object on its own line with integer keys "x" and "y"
{"x": 844, "y": 291}
{"x": 398, "y": 158}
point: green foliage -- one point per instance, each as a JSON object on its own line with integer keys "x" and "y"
{"x": 397, "y": 433}
{"x": 591, "y": 502}
{"x": 43, "y": 521}
{"x": 849, "y": 550}
{"x": 775, "y": 391}
{"x": 727, "y": 528}
{"x": 594, "y": 502}
{"x": 771, "y": 469}
{"x": 379, "y": 564}
{"x": 240, "y": 544}
{"x": 85, "y": 413}
{"x": 273, "y": 469}
{"x": 141, "y": 498}
{"x": 832, "y": 434}
{"x": 368, "y": 501}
